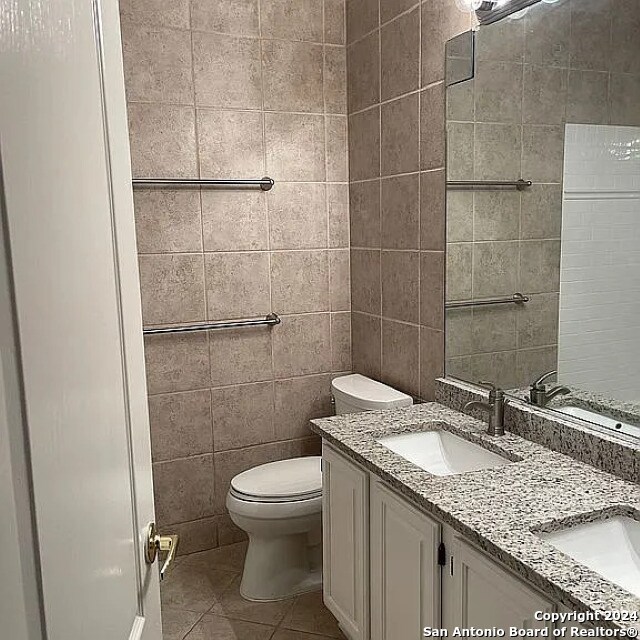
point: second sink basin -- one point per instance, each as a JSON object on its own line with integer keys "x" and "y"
{"x": 608, "y": 547}
{"x": 441, "y": 452}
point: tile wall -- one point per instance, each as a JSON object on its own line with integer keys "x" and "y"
{"x": 395, "y": 57}
{"x": 238, "y": 89}
{"x": 572, "y": 61}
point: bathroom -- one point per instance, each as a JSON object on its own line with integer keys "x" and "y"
{"x": 272, "y": 212}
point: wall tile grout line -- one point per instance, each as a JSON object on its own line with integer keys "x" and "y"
{"x": 315, "y": 374}
{"x": 205, "y": 107}
{"x": 266, "y": 200}
{"x": 381, "y": 24}
{"x": 310, "y": 249}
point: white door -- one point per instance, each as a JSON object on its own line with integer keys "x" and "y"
{"x": 69, "y": 220}
{"x": 405, "y": 575}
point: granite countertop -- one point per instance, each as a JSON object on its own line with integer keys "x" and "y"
{"x": 500, "y": 509}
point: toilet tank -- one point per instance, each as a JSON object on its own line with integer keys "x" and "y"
{"x": 354, "y": 393}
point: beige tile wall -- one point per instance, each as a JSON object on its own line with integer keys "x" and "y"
{"x": 530, "y": 79}
{"x": 395, "y": 62}
{"x": 238, "y": 89}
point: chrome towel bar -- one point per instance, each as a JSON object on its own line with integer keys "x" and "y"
{"x": 264, "y": 183}
{"x": 520, "y": 185}
{"x": 516, "y": 298}
{"x": 270, "y": 320}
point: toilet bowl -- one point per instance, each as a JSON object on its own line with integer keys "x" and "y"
{"x": 279, "y": 506}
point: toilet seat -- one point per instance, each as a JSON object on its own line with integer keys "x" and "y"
{"x": 274, "y": 499}
{"x": 273, "y": 511}
{"x": 293, "y": 480}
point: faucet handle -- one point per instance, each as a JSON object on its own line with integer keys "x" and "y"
{"x": 495, "y": 392}
{"x": 543, "y": 378}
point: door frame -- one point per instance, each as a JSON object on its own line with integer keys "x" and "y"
{"x": 109, "y": 44}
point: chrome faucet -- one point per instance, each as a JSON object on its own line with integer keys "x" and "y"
{"x": 494, "y": 407}
{"x": 540, "y": 395}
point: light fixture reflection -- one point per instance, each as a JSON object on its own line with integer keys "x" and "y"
{"x": 479, "y": 5}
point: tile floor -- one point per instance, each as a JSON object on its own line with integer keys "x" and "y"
{"x": 201, "y": 601}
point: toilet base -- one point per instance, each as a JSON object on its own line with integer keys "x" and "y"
{"x": 277, "y": 568}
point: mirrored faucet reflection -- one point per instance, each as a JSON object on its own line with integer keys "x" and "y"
{"x": 540, "y": 395}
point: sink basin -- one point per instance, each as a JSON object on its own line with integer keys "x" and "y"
{"x": 608, "y": 547}
{"x": 442, "y": 453}
{"x": 598, "y": 418}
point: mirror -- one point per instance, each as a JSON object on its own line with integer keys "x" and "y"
{"x": 543, "y": 208}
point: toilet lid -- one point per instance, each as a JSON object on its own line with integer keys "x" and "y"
{"x": 284, "y": 480}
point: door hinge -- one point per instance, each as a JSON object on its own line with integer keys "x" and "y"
{"x": 442, "y": 554}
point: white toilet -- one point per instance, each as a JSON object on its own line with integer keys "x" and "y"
{"x": 355, "y": 393}
{"x": 279, "y": 505}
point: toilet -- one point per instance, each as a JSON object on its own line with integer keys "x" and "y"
{"x": 354, "y": 393}
{"x": 279, "y": 505}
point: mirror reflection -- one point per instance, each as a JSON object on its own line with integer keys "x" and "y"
{"x": 543, "y": 208}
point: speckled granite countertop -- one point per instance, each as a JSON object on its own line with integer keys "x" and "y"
{"x": 499, "y": 509}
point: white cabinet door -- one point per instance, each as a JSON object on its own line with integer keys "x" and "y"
{"x": 67, "y": 213}
{"x": 405, "y": 575}
{"x": 482, "y": 594}
{"x": 345, "y": 504}
{"x": 579, "y": 627}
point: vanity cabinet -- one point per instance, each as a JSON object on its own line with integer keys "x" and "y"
{"x": 391, "y": 570}
{"x": 404, "y": 573}
{"x": 477, "y": 592}
{"x": 345, "y": 552}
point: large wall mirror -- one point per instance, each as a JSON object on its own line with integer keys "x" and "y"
{"x": 543, "y": 208}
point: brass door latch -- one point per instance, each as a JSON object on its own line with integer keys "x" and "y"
{"x": 160, "y": 544}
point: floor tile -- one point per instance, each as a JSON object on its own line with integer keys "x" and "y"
{"x": 233, "y": 605}
{"x": 227, "y": 558}
{"x": 209, "y": 581}
{"x": 194, "y": 588}
{"x": 177, "y": 623}
{"x": 286, "y": 634}
{"x": 213, "y": 627}
{"x": 309, "y": 614}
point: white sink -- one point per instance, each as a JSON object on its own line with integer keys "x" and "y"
{"x": 608, "y": 547}
{"x": 598, "y": 418}
{"x": 441, "y": 453}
